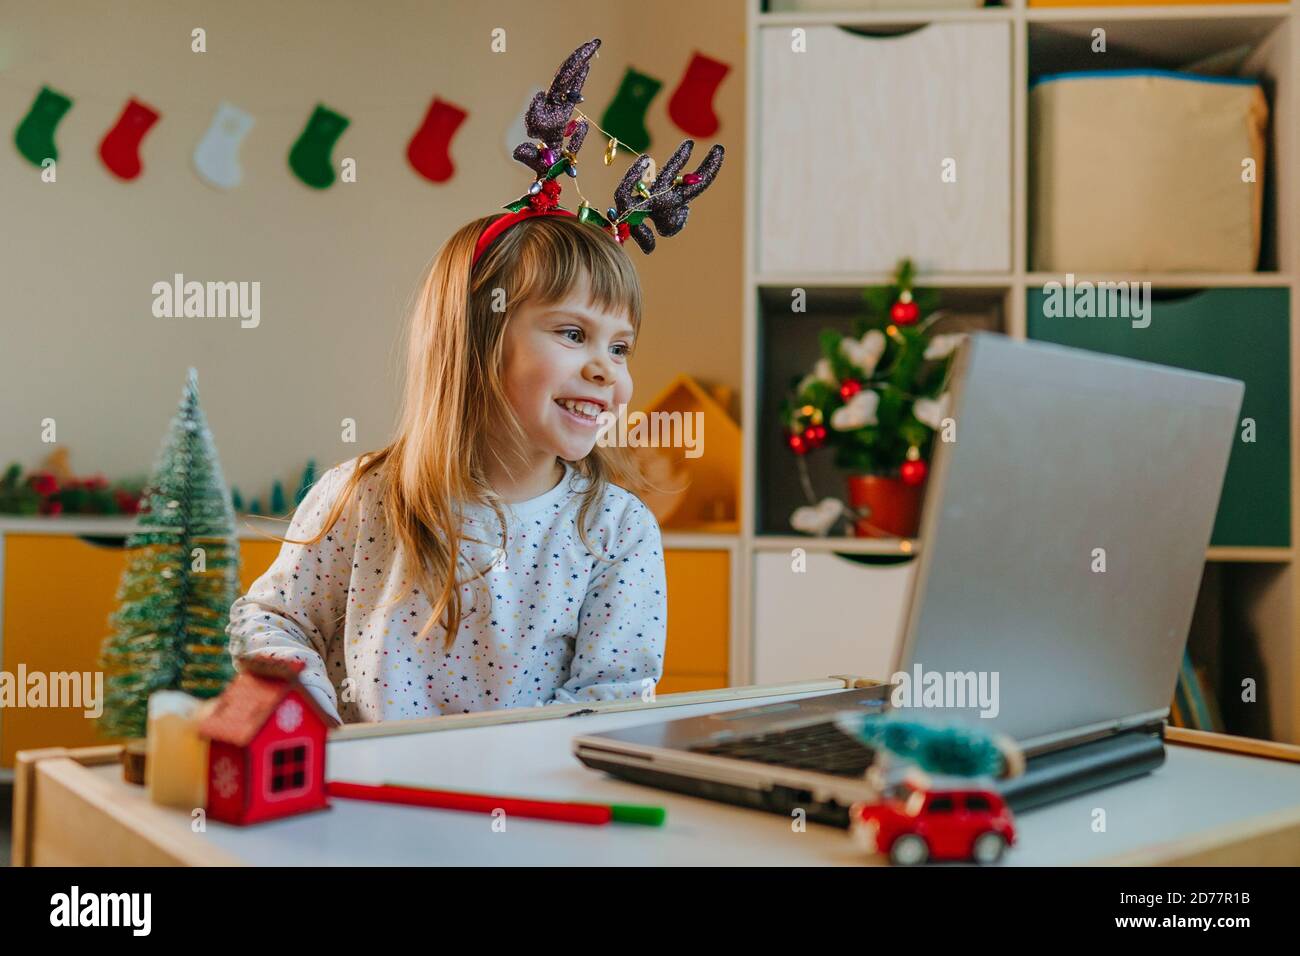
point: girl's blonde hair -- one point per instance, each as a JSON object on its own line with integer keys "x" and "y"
{"x": 453, "y": 395}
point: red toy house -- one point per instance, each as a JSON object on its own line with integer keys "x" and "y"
{"x": 266, "y": 753}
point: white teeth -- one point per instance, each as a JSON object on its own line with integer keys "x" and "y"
{"x": 587, "y": 409}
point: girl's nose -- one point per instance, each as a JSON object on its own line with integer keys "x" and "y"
{"x": 598, "y": 370}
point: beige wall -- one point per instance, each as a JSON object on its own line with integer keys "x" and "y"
{"x": 79, "y": 257}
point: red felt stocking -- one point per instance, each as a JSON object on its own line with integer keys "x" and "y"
{"x": 120, "y": 148}
{"x": 691, "y": 106}
{"x": 430, "y": 148}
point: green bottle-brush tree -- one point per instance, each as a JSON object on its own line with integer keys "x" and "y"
{"x": 181, "y": 577}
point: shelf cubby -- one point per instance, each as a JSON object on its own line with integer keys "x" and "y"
{"x": 789, "y": 350}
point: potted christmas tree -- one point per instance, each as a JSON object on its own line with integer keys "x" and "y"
{"x": 878, "y": 397}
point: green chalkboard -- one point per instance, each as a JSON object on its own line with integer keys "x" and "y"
{"x": 1239, "y": 333}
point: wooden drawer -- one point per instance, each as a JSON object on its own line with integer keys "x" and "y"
{"x": 852, "y": 150}
{"x": 699, "y": 616}
{"x": 839, "y": 616}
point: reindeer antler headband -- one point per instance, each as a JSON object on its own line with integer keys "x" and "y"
{"x": 640, "y": 196}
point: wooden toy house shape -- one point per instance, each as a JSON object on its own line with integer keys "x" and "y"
{"x": 266, "y": 753}
{"x": 699, "y": 494}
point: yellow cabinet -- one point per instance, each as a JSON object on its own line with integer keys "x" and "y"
{"x": 59, "y": 590}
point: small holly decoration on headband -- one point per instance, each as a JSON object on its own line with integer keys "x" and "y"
{"x": 641, "y": 195}
{"x": 878, "y": 396}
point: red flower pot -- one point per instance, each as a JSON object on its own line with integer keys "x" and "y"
{"x": 894, "y": 508}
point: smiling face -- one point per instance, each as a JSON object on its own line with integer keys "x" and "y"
{"x": 564, "y": 364}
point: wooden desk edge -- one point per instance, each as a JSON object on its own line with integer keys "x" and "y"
{"x": 135, "y": 838}
{"x": 1272, "y": 839}
{"x": 89, "y": 816}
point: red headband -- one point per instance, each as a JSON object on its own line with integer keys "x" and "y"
{"x": 505, "y": 222}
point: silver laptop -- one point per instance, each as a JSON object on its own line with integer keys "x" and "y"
{"x": 1063, "y": 542}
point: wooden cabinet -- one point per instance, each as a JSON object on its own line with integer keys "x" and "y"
{"x": 59, "y": 591}
{"x": 829, "y": 613}
{"x": 699, "y": 620}
{"x": 871, "y": 148}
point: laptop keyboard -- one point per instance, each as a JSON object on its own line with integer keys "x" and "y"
{"x": 820, "y": 747}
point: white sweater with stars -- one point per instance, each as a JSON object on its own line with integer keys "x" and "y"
{"x": 557, "y": 624}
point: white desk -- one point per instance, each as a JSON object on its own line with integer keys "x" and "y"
{"x": 1199, "y": 798}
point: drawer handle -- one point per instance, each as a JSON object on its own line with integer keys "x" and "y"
{"x": 883, "y": 32}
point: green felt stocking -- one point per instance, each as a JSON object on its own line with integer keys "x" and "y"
{"x": 310, "y": 156}
{"x": 35, "y": 134}
{"x": 625, "y": 116}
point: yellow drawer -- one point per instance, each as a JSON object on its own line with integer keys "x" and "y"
{"x": 699, "y": 611}
{"x": 678, "y": 683}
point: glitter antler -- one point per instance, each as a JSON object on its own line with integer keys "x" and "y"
{"x": 549, "y": 119}
{"x": 665, "y": 202}
{"x": 548, "y": 116}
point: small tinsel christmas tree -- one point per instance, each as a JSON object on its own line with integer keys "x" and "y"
{"x": 182, "y": 575}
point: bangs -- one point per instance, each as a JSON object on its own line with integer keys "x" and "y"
{"x": 546, "y": 258}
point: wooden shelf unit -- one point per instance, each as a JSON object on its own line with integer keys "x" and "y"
{"x": 1265, "y": 580}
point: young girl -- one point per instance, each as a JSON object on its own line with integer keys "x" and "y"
{"x": 492, "y": 555}
{"x": 561, "y": 594}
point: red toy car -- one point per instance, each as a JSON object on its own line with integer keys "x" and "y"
{"x": 914, "y": 825}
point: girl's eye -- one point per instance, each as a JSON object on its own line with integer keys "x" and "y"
{"x": 577, "y": 332}
{"x": 622, "y": 351}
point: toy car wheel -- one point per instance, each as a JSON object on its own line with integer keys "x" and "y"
{"x": 909, "y": 850}
{"x": 988, "y": 847}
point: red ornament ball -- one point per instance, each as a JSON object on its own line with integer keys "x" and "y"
{"x": 913, "y": 472}
{"x": 797, "y": 444}
{"x": 904, "y": 313}
{"x": 814, "y": 436}
{"x": 849, "y": 387}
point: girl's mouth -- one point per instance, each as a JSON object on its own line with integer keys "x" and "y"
{"x": 586, "y": 413}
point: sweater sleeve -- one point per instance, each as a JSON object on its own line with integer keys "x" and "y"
{"x": 623, "y": 623}
{"x": 295, "y": 609}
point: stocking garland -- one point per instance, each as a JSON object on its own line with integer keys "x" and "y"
{"x": 216, "y": 157}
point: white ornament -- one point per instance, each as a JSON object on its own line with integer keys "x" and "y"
{"x": 821, "y": 373}
{"x": 217, "y": 156}
{"x": 931, "y": 411}
{"x": 860, "y": 410}
{"x": 864, "y": 352}
{"x": 817, "y": 519}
